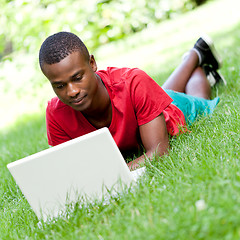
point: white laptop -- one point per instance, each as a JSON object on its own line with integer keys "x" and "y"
{"x": 82, "y": 169}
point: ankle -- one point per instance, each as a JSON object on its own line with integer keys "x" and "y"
{"x": 194, "y": 55}
{"x": 198, "y": 55}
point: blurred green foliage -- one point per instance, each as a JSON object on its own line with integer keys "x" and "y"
{"x": 26, "y": 23}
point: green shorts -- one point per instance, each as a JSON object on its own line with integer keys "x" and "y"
{"x": 192, "y": 107}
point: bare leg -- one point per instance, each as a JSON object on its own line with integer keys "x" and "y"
{"x": 198, "y": 85}
{"x": 189, "y": 78}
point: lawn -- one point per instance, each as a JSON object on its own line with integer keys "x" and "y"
{"x": 194, "y": 192}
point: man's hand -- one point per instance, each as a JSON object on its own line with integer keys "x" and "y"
{"x": 155, "y": 140}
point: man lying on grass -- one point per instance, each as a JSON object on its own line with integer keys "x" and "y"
{"x": 137, "y": 111}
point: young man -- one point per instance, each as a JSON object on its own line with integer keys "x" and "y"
{"x": 135, "y": 108}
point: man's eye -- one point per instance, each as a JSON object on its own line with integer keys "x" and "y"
{"x": 60, "y": 86}
{"x": 78, "y": 78}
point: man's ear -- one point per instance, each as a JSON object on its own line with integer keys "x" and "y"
{"x": 93, "y": 63}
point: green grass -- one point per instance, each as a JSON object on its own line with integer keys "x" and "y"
{"x": 202, "y": 165}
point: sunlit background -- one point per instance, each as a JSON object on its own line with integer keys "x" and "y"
{"x": 134, "y": 33}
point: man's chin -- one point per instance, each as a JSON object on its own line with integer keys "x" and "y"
{"x": 80, "y": 107}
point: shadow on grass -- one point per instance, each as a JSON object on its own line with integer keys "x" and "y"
{"x": 25, "y": 137}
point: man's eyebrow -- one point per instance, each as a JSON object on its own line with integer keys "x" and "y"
{"x": 56, "y": 83}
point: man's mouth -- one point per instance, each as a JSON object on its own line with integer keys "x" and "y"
{"x": 78, "y": 100}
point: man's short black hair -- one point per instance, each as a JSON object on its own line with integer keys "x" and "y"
{"x": 58, "y": 46}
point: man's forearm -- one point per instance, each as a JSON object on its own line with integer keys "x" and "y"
{"x": 136, "y": 163}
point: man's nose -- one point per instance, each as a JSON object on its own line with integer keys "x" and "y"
{"x": 72, "y": 90}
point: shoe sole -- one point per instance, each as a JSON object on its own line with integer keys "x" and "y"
{"x": 210, "y": 44}
{"x": 211, "y": 79}
{"x": 214, "y": 76}
{"x": 222, "y": 78}
{"x": 219, "y": 76}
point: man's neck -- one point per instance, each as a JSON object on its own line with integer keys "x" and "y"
{"x": 101, "y": 116}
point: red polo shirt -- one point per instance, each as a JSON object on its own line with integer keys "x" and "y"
{"x": 136, "y": 100}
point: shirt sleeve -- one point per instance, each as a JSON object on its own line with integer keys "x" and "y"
{"x": 55, "y": 133}
{"x": 149, "y": 99}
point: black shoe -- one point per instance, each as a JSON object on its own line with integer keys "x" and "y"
{"x": 204, "y": 46}
{"x": 213, "y": 76}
